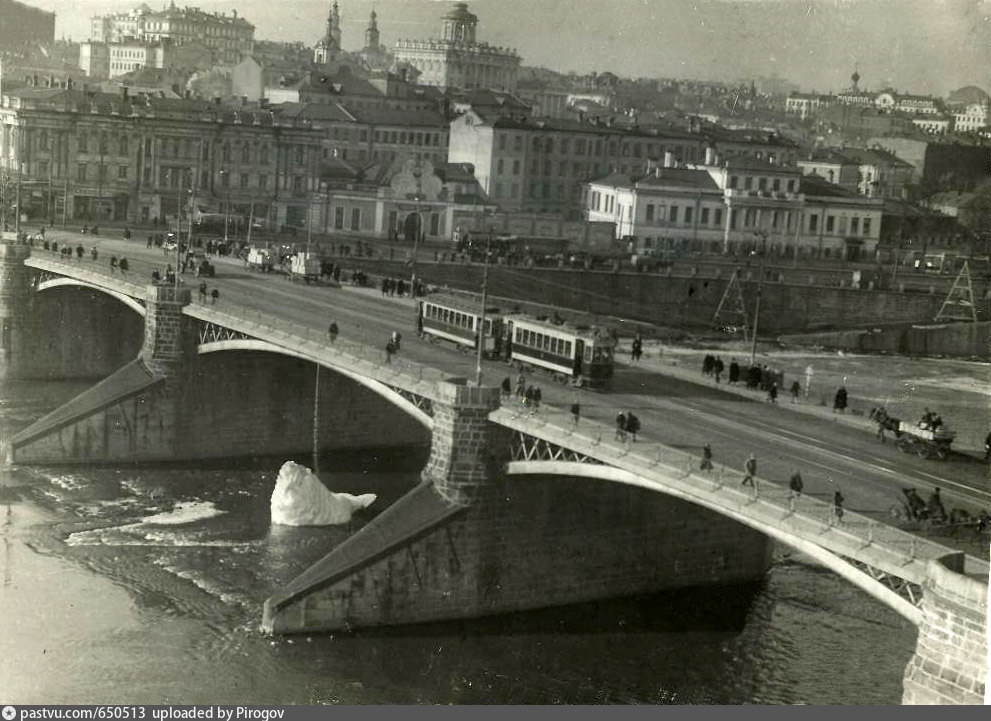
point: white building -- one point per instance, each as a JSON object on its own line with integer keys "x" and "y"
{"x": 734, "y": 207}
{"x": 972, "y": 118}
{"x": 457, "y": 59}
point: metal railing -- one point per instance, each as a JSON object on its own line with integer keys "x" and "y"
{"x": 801, "y": 513}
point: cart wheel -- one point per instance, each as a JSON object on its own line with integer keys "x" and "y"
{"x": 922, "y": 452}
{"x": 941, "y": 452}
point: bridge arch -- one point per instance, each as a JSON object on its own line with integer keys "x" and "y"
{"x": 835, "y": 563}
{"x": 386, "y": 392}
{"x": 127, "y": 300}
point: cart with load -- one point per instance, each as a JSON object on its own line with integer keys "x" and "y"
{"x": 926, "y": 442}
{"x": 260, "y": 259}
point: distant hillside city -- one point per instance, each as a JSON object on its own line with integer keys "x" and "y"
{"x": 158, "y": 103}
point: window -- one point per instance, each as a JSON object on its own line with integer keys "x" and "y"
{"x": 776, "y": 186}
{"x": 299, "y": 155}
{"x": 81, "y": 172}
{"x": 498, "y": 190}
{"x": 549, "y": 145}
{"x": 356, "y": 219}
{"x": 830, "y": 223}
{"x": 733, "y": 182}
{"x": 297, "y": 183}
{"x": 499, "y": 166}
{"x": 704, "y": 216}
{"x": 813, "y": 223}
{"x": 516, "y": 167}
{"x": 791, "y": 185}
{"x": 83, "y": 145}
{"x": 435, "y": 224}
{"x": 244, "y": 180}
{"x": 867, "y": 226}
{"x": 122, "y": 172}
{"x": 339, "y": 218}
{"x": 650, "y": 213}
{"x": 748, "y": 183}
{"x": 262, "y": 181}
{"x": 673, "y": 216}
{"x": 688, "y": 216}
{"x": 854, "y": 226}
{"x": 245, "y": 153}
{"x": 717, "y": 216}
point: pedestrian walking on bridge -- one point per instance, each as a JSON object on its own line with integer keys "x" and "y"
{"x": 576, "y": 411}
{"x": 838, "y": 506}
{"x": 507, "y": 388}
{"x": 632, "y": 426}
{"x": 795, "y": 484}
{"x": 214, "y": 295}
{"x": 749, "y": 470}
{"x": 332, "y": 331}
{"x": 621, "y": 427}
{"x": 706, "y": 464}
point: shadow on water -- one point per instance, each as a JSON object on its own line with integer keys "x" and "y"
{"x": 723, "y": 610}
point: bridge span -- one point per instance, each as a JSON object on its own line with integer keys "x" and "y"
{"x": 486, "y": 531}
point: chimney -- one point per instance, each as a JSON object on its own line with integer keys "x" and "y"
{"x": 668, "y": 159}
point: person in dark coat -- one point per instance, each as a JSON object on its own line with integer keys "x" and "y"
{"x": 750, "y": 470}
{"x": 576, "y": 411}
{"x": 507, "y": 387}
{"x": 839, "y": 401}
{"x": 795, "y": 484}
{"x": 717, "y": 367}
{"x": 632, "y": 426}
{"x": 838, "y": 506}
{"x": 621, "y": 427}
{"x": 734, "y": 371}
{"x": 706, "y": 464}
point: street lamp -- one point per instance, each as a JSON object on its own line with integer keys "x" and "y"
{"x": 481, "y": 316}
{"x": 226, "y": 181}
{"x": 760, "y": 290}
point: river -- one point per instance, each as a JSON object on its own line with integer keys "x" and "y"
{"x": 145, "y": 585}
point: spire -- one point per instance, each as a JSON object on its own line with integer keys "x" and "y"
{"x": 372, "y": 32}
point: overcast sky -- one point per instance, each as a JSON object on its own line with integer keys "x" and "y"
{"x": 926, "y": 46}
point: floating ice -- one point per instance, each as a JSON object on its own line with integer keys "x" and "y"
{"x": 300, "y": 499}
{"x": 184, "y": 512}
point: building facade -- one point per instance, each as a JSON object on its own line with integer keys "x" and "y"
{"x": 972, "y": 118}
{"x": 542, "y": 165}
{"x": 229, "y": 36}
{"x": 734, "y": 208}
{"x": 100, "y": 157}
{"x": 457, "y": 59}
{"x": 105, "y": 61}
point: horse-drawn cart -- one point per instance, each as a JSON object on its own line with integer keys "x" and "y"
{"x": 925, "y": 442}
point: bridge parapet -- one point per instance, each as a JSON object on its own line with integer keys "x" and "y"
{"x": 402, "y": 374}
{"x": 886, "y": 561}
{"x": 88, "y": 272}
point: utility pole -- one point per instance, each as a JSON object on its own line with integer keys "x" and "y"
{"x": 760, "y": 290}
{"x": 481, "y": 319}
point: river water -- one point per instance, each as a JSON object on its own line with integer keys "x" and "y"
{"x": 145, "y": 586}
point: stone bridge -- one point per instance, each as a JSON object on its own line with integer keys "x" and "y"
{"x": 514, "y": 512}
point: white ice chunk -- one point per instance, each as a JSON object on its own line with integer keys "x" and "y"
{"x": 300, "y": 499}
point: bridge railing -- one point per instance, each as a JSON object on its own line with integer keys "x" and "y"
{"x": 86, "y": 270}
{"x": 600, "y": 441}
{"x": 311, "y": 340}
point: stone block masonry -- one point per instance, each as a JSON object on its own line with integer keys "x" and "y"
{"x": 537, "y": 542}
{"x": 15, "y": 294}
{"x": 950, "y": 664}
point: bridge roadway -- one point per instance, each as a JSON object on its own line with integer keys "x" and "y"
{"x": 672, "y": 412}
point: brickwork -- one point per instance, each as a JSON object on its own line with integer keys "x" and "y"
{"x": 169, "y": 338}
{"x": 15, "y": 295}
{"x": 951, "y": 656}
{"x": 539, "y": 542}
{"x": 464, "y": 445}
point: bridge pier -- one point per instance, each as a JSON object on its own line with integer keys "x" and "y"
{"x": 951, "y": 655}
{"x": 470, "y": 541}
{"x": 134, "y": 414}
{"x": 15, "y": 301}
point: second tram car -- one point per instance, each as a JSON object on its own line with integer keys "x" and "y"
{"x": 457, "y": 320}
{"x": 580, "y": 354}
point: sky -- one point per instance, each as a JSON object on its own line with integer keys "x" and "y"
{"x": 921, "y": 46}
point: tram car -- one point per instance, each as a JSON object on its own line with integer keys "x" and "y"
{"x": 457, "y": 320}
{"x": 580, "y": 355}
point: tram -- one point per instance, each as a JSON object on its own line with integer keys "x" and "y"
{"x": 457, "y": 320}
{"x": 576, "y": 353}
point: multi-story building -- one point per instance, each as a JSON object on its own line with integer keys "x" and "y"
{"x": 373, "y": 134}
{"x": 541, "y": 165}
{"x": 24, "y": 26}
{"x": 735, "y": 206}
{"x": 379, "y": 89}
{"x": 973, "y": 117}
{"x": 110, "y": 60}
{"x": 105, "y": 157}
{"x": 805, "y": 105}
{"x": 831, "y": 166}
{"x": 230, "y": 37}
{"x": 457, "y": 59}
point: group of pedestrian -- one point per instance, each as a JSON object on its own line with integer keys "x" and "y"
{"x": 392, "y": 287}
{"x": 627, "y": 427}
{"x": 214, "y": 294}
{"x": 712, "y": 366}
{"x": 116, "y": 264}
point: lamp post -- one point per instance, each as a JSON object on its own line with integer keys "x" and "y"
{"x": 760, "y": 290}
{"x": 226, "y": 180}
{"x": 480, "y": 335}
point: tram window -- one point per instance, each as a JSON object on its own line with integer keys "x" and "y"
{"x": 546, "y": 343}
